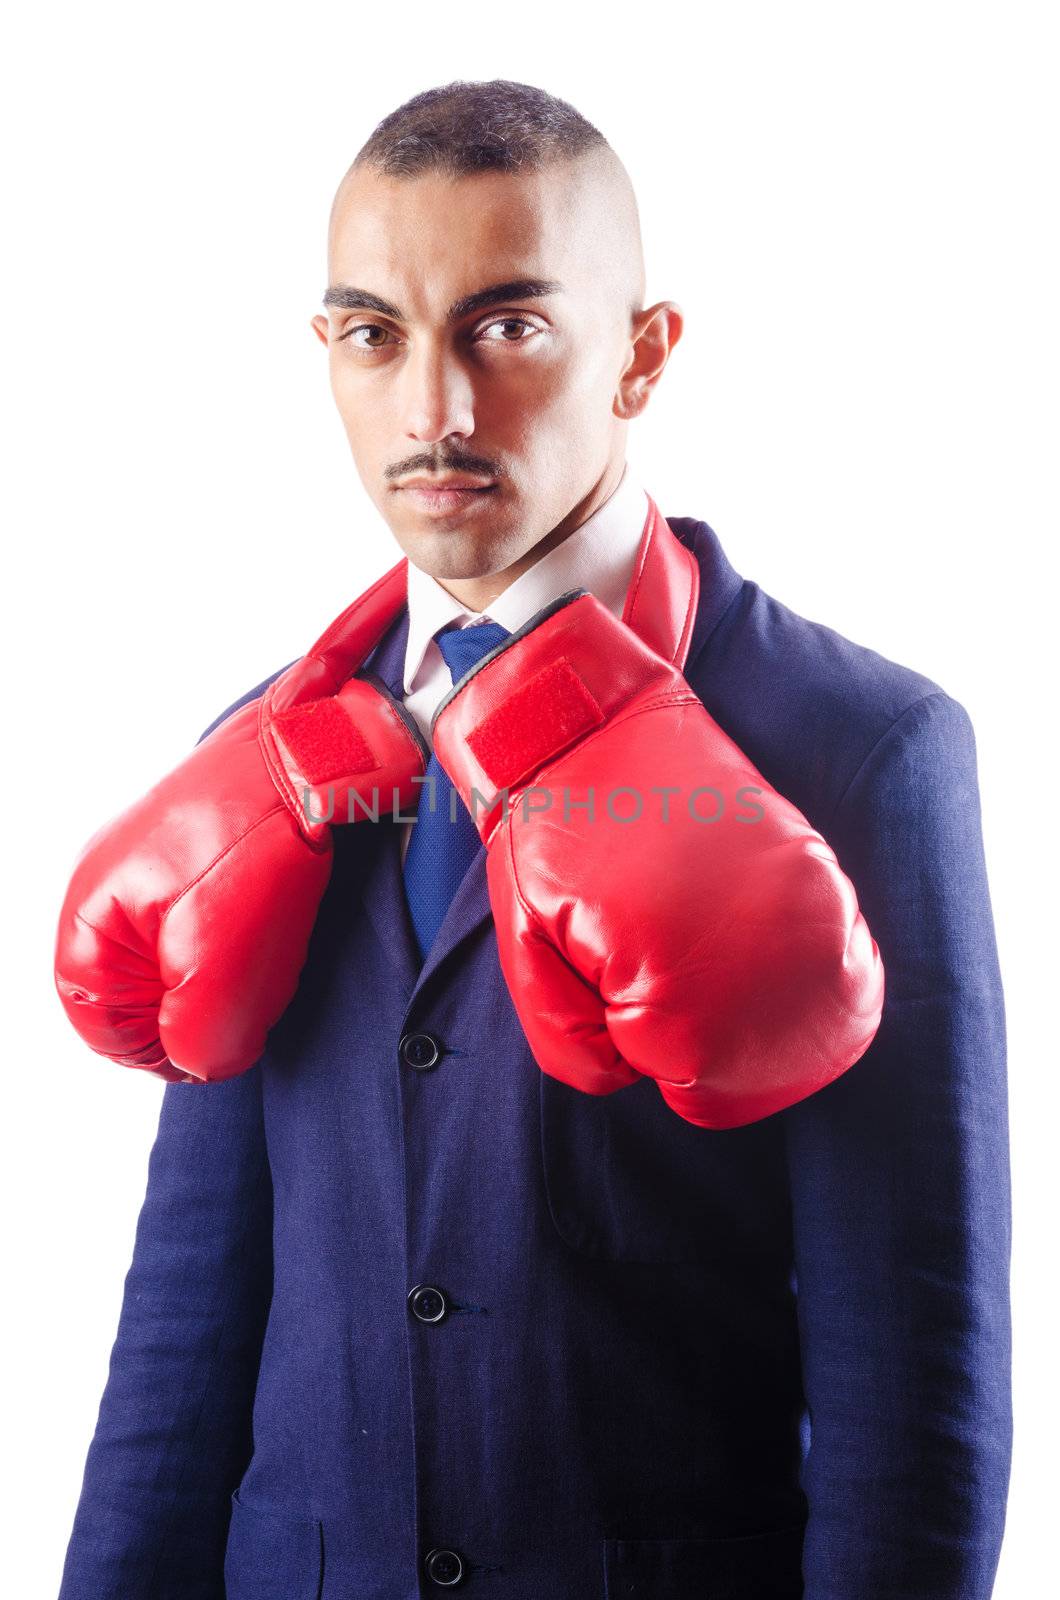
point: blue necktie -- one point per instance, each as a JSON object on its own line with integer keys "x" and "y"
{"x": 440, "y": 850}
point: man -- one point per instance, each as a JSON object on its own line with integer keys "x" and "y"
{"x": 407, "y": 1313}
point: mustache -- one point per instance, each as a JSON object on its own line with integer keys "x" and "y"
{"x": 451, "y": 461}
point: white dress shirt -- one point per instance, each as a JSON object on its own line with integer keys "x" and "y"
{"x": 599, "y": 556}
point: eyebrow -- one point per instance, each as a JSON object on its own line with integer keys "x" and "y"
{"x": 346, "y": 298}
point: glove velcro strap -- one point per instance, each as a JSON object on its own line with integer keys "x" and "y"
{"x": 361, "y": 740}
{"x": 541, "y": 717}
{"x": 322, "y": 741}
{"x": 562, "y": 676}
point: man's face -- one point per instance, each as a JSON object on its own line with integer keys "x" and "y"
{"x": 518, "y": 395}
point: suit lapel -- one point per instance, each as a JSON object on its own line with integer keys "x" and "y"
{"x": 383, "y": 885}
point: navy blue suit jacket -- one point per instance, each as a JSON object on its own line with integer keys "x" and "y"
{"x": 677, "y": 1363}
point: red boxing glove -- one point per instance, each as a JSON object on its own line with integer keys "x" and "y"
{"x": 187, "y": 921}
{"x": 727, "y": 959}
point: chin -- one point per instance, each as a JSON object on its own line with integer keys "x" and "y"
{"x": 457, "y": 552}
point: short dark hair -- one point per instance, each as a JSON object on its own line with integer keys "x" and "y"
{"x": 460, "y": 128}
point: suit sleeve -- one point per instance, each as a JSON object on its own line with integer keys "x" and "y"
{"x": 900, "y": 1187}
{"x": 173, "y": 1435}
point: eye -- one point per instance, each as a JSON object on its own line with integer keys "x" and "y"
{"x": 510, "y": 322}
{"x": 365, "y": 327}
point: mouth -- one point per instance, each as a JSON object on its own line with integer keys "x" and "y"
{"x": 441, "y": 495}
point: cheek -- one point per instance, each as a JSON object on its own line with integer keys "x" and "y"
{"x": 359, "y": 418}
{"x": 342, "y": 388}
{"x": 573, "y": 390}
{"x": 569, "y": 409}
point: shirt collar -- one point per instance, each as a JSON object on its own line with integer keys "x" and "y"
{"x": 599, "y": 556}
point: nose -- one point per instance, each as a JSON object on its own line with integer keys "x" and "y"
{"x": 438, "y": 398}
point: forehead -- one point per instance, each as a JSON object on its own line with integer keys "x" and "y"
{"x": 422, "y": 240}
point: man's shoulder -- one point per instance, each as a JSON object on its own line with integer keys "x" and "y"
{"x": 803, "y": 700}
{"x": 814, "y": 667}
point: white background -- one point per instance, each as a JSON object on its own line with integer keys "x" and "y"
{"x": 855, "y": 207}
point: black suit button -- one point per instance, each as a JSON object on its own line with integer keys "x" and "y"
{"x": 445, "y": 1568}
{"x": 427, "y": 1303}
{"x": 420, "y": 1050}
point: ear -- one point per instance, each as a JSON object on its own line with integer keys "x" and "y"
{"x": 319, "y": 326}
{"x": 654, "y": 334}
